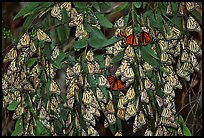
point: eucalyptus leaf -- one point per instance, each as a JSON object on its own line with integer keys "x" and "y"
{"x": 103, "y": 20}
{"x": 31, "y": 62}
{"x": 12, "y": 106}
{"x": 137, "y": 4}
{"x": 118, "y": 57}
{"x": 81, "y": 43}
{"x": 18, "y": 127}
{"x": 29, "y": 8}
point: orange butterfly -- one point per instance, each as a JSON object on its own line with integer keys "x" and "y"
{"x": 144, "y": 38}
{"x": 115, "y": 84}
{"x": 130, "y": 39}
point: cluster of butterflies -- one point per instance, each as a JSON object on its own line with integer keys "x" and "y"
{"x": 75, "y": 19}
{"x": 19, "y": 79}
{"x": 192, "y": 24}
{"x": 130, "y": 39}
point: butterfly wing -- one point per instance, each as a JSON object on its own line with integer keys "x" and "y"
{"x": 131, "y": 40}
{"x": 120, "y": 84}
{"x": 144, "y": 38}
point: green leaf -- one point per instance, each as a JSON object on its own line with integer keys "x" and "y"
{"x": 81, "y": 43}
{"x": 96, "y": 42}
{"x": 47, "y": 50}
{"x": 27, "y": 23}
{"x": 118, "y": 57}
{"x": 105, "y": 92}
{"x": 18, "y": 127}
{"x": 96, "y": 32}
{"x": 65, "y": 19}
{"x": 149, "y": 59}
{"x": 103, "y": 20}
{"x": 186, "y": 131}
{"x": 60, "y": 33}
{"x": 120, "y": 8}
{"x": 71, "y": 60}
{"x": 29, "y": 8}
{"x": 197, "y": 15}
{"x": 137, "y": 4}
{"x": 96, "y": 6}
{"x": 31, "y": 62}
{"x": 58, "y": 126}
{"x": 12, "y": 106}
{"x": 150, "y": 51}
{"x": 58, "y": 61}
{"x": 91, "y": 81}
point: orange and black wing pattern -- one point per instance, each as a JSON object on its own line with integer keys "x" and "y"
{"x": 115, "y": 84}
{"x": 144, "y": 38}
{"x": 131, "y": 40}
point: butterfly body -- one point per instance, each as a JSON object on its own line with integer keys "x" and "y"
{"x": 115, "y": 84}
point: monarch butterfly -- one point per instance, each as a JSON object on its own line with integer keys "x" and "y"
{"x": 169, "y": 9}
{"x": 144, "y": 38}
{"x": 50, "y": 70}
{"x": 54, "y": 103}
{"x": 77, "y": 69}
{"x": 161, "y": 131}
{"x": 93, "y": 67}
{"x": 103, "y": 81}
{"x": 131, "y": 110}
{"x": 118, "y": 133}
{"x": 90, "y": 56}
{"x": 122, "y": 101}
{"x": 128, "y": 74}
{"x": 73, "y": 13}
{"x": 194, "y": 47}
{"x": 80, "y": 32}
{"x": 42, "y": 36}
{"x": 130, "y": 93}
{"x": 88, "y": 116}
{"x": 55, "y": 52}
{"x": 147, "y": 67}
{"x": 163, "y": 45}
{"x": 54, "y": 87}
{"x": 184, "y": 56}
{"x": 194, "y": 62}
{"x": 191, "y": 5}
{"x": 192, "y": 24}
{"x": 168, "y": 89}
{"x": 115, "y": 84}
{"x": 56, "y": 12}
{"x": 148, "y": 84}
{"x": 148, "y": 132}
{"x": 111, "y": 118}
{"x": 87, "y": 97}
{"x": 11, "y": 55}
{"x": 92, "y": 131}
{"x": 174, "y": 33}
{"x": 67, "y": 6}
{"x": 24, "y": 41}
{"x": 76, "y": 20}
{"x": 13, "y": 67}
{"x": 144, "y": 96}
{"x": 119, "y": 23}
{"x": 159, "y": 100}
{"x": 109, "y": 107}
{"x": 138, "y": 122}
{"x": 129, "y": 54}
{"x": 131, "y": 40}
{"x": 121, "y": 114}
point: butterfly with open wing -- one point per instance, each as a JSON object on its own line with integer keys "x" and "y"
{"x": 115, "y": 84}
